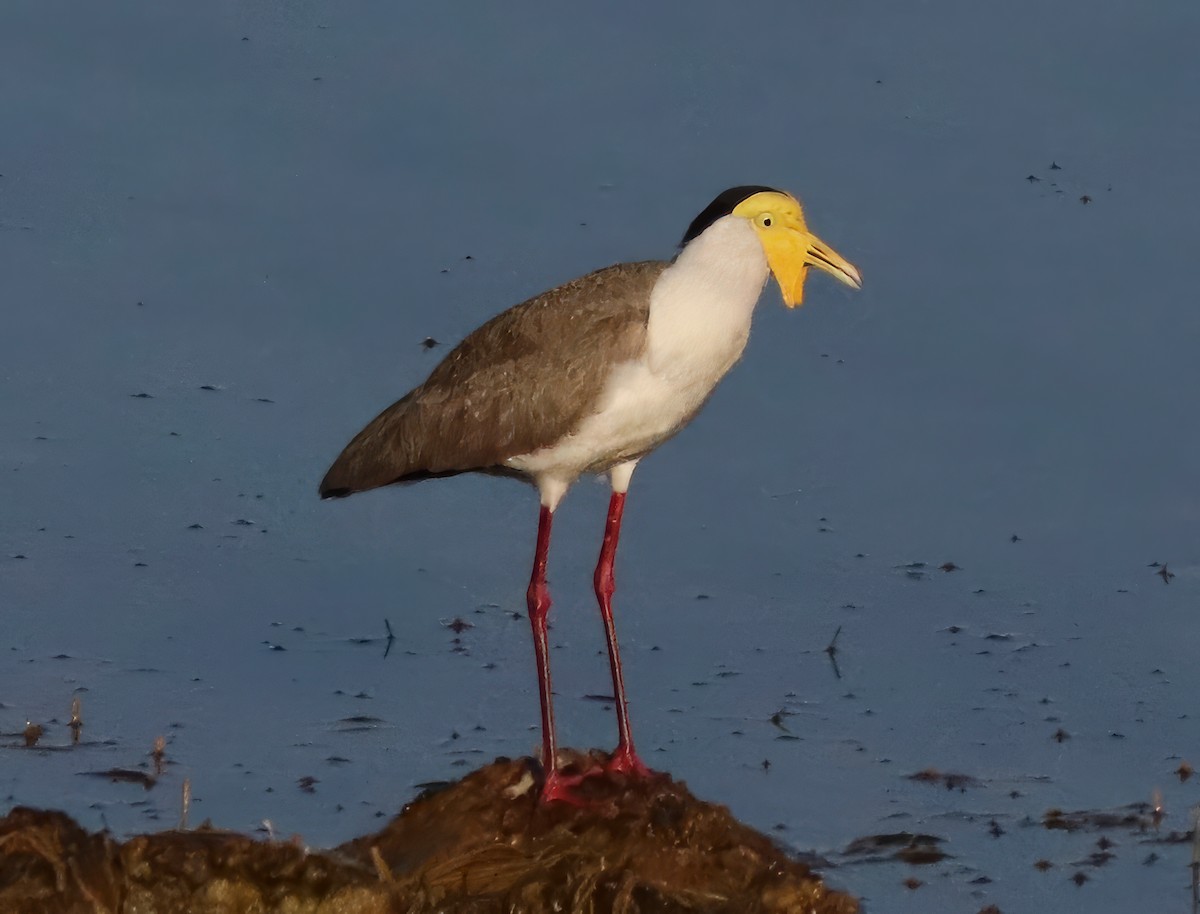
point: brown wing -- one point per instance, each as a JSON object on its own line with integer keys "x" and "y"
{"x": 522, "y": 381}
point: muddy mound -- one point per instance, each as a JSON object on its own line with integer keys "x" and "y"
{"x": 480, "y": 845}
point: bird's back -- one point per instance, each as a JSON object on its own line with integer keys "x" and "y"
{"x": 522, "y": 381}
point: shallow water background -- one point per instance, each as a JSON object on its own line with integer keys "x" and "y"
{"x": 226, "y": 230}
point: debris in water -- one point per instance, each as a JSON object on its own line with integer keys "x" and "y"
{"x": 947, "y": 779}
{"x": 185, "y": 803}
{"x": 76, "y": 723}
{"x": 124, "y": 776}
{"x": 33, "y": 732}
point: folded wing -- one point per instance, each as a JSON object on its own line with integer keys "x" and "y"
{"x": 522, "y": 381}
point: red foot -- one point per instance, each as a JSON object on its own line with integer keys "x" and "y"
{"x": 625, "y": 760}
{"x": 560, "y": 787}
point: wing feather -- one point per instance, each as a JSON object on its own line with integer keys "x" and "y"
{"x": 522, "y": 381}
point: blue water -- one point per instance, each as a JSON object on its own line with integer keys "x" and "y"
{"x": 278, "y": 202}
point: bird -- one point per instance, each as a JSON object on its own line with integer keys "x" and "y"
{"x": 588, "y": 378}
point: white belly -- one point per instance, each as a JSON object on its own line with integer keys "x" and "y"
{"x": 639, "y": 410}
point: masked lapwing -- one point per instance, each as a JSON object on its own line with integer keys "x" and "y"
{"x": 590, "y": 377}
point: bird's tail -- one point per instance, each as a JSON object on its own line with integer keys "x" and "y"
{"x": 376, "y": 457}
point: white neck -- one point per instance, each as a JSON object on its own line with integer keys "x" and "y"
{"x": 701, "y": 307}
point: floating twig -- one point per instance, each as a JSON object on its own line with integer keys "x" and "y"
{"x": 185, "y": 803}
{"x": 831, "y": 649}
{"x": 76, "y": 723}
{"x": 391, "y": 638}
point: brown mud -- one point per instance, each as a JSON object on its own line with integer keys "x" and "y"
{"x": 483, "y": 844}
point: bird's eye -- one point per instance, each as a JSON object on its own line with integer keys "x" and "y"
{"x": 764, "y": 220}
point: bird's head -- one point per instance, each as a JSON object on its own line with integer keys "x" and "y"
{"x": 778, "y": 221}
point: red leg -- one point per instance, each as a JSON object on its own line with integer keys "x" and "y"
{"x": 624, "y": 759}
{"x": 556, "y": 786}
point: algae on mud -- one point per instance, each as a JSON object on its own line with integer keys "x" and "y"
{"x": 483, "y": 844}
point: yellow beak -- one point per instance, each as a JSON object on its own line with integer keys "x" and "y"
{"x": 792, "y": 251}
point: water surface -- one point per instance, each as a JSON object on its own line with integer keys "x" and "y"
{"x": 226, "y": 231}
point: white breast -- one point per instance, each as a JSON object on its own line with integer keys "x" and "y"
{"x": 700, "y": 312}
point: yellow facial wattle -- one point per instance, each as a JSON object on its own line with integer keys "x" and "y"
{"x": 790, "y": 247}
